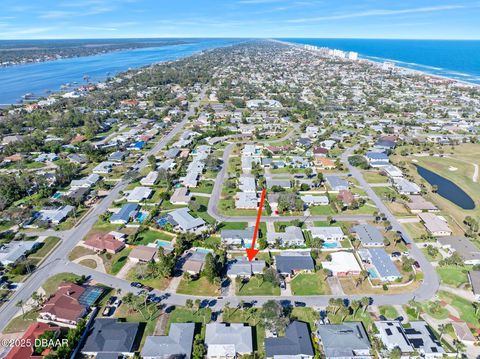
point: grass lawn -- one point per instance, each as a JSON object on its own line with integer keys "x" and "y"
{"x": 150, "y": 236}
{"x": 430, "y": 258}
{"x": 233, "y": 225}
{"x": 185, "y": 315}
{"x": 114, "y": 262}
{"x": 435, "y": 310}
{"x": 388, "y": 311}
{"x": 227, "y": 207}
{"x": 307, "y": 315}
{"x": 48, "y": 244}
{"x": 199, "y": 287}
{"x": 21, "y": 323}
{"x": 51, "y": 284}
{"x": 464, "y": 307}
{"x": 374, "y": 177}
{"x": 309, "y": 284}
{"x": 90, "y": 263}
{"x": 157, "y": 283}
{"x": 78, "y": 252}
{"x": 256, "y": 286}
{"x": 415, "y": 230}
{"x": 321, "y": 210}
{"x": 204, "y": 186}
{"x": 454, "y": 276}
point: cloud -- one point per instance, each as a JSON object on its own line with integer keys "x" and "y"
{"x": 378, "y": 12}
{"x": 259, "y": 1}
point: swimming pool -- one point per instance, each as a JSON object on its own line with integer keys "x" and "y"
{"x": 163, "y": 244}
{"x": 329, "y": 245}
{"x": 203, "y": 250}
{"x": 373, "y": 273}
{"x": 57, "y": 195}
{"x": 141, "y": 216}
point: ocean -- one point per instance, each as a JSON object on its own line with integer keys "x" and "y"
{"x": 449, "y": 58}
{"x": 40, "y": 78}
{"x": 456, "y": 59}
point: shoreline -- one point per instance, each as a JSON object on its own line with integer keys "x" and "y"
{"x": 397, "y": 65}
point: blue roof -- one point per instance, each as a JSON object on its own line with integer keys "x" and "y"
{"x": 377, "y": 155}
{"x": 124, "y": 213}
{"x": 139, "y": 144}
{"x": 383, "y": 263}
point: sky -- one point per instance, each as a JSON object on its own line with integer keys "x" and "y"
{"x": 405, "y": 19}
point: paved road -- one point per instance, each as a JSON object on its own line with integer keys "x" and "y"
{"x": 431, "y": 282}
{"x": 57, "y": 262}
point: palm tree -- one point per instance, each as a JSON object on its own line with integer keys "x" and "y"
{"x": 441, "y": 330}
{"x": 355, "y": 305}
{"x": 365, "y": 301}
{"x": 19, "y": 304}
{"x": 459, "y": 347}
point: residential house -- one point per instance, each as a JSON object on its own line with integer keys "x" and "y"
{"x": 342, "y": 264}
{"x": 324, "y": 163}
{"x": 311, "y": 200}
{"x": 336, "y": 183}
{"x": 177, "y": 344}
{"x": 246, "y": 200}
{"x": 111, "y": 338}
{"x": 242, "y": 267}
{"x": 85, "y": 182}
{"x": 348, "y": 340}
{"x": 11, "y": 252}
{"x": 33, "y": 332}
{"x": 346, "y": 197}
{"x": 392, "y": 335}
{"x": 143, "y": 254}
{"x": 437, "y": 226}
{"x": 64, "y": 307}
{"x": 193, "y": 261}
{"x": 150, "y": 179}
{"x": 474, "y": 280}
{"x": 377, "y": 159}
{"x": 138, "y": 194}
{"x": 369, "y": 235}
{"x": 103, "y": 168}
{"x": 295, "y": 344}
{"x": 327, "y": 234}
{"x": 283, "y": 183}
{"x": 381, "y": 262}
{"x": 180, "y": 196}
{"x": 227, "y": 340}
{"x": 237, "y": 237}
{"x": 404, "y": 186}
{"x": 291, "y": 264}
{"x": 104, "y": 242}
{"x": 127, "y": 212}
{"x": 424, "y": 340}
{"x": 55, "y": 216}
{"x": 419, "y": 204}
{"x": 293, "y": 236}
{"x": 182, "y": 220}
{"x": 468, "y": 251}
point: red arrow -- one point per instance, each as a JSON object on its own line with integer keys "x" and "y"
{"x": 252, "y": 252}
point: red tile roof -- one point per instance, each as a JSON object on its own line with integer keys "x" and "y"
{"x": 32, "y": 333}
{"x": 105, "y": 242}
{"x": 64, "y": 303}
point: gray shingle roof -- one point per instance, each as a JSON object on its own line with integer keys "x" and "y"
{"x": 288, "y": 264}
{"x": 111, "y": 336}
{"x": 178, "y": 343}
{"x": 341, "y": 340}
{"x": 368, "y": 234}
{"x": 295, "y": 342}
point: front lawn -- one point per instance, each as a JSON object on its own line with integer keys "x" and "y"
{"x": 150, "y": 236}
{"x": 388, "y": 311}
{"x": 309, "y": 284}
{"x": 184, "y": 315}
{"x": 21, "y": 323}
{"x": 321, "y": 210}
{"x": 114, "y": 262}
{"x": 256, "y": 286}
{"x": 48, "y": 244}
{"x": 454, "y": 276}
{"x": 198, "y": 287}
{"x": 464, "y": 307}
{"x": 157, "y": 283}
{"x": 51, "y": 284}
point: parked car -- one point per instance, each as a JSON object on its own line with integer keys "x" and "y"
{"x": 300, "y": 304}
{"x": 136, "y": 285}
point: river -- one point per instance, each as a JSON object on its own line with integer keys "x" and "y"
{"x": 39, "y": 78}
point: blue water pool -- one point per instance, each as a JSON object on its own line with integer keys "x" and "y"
{"x": 164, "y": 244}
{"x": 373, "y": 273}
{"x": 203, "y": 250}
{"x": 141, "y": 217}
{"x": 329, "y": 245}
{"x": 57, "y": 195}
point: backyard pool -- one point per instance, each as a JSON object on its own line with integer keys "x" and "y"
{"x": 329, "y": 245}
{"x": 164, "y": 244}
{"x": 373, "y": 273}
{"x": 141, "y": 216}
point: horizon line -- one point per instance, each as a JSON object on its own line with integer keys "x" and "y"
{"x": 238, "y": 37}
